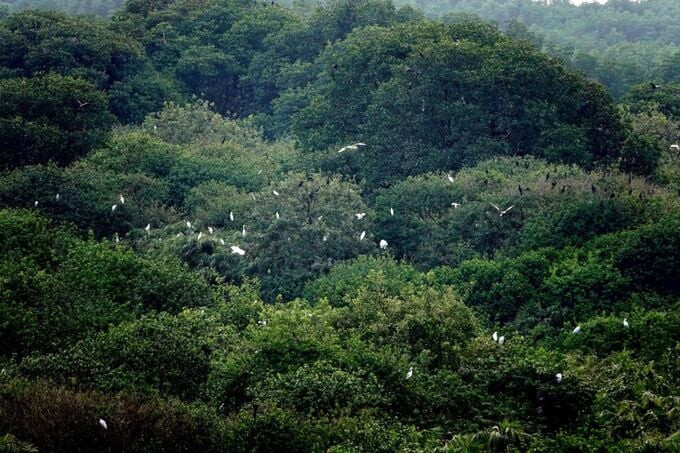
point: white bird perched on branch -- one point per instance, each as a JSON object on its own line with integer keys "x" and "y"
{"x": 114, "y": 207}
{"x": 243, "y": 231}
{"x": 502, "y": 212}
{"x": 501, "y": 340}
{"x": 558, "y": 377}
{"x": 235, "y": 249}
{"x": 231, "y": 215}
{"x": 200, "y": 235}
{"x": 360, "y": 215}
{"x": 188, "y": 224}
{"x": 275, "y": 193}
{"x": 56, "y": 197}
{"x": 211, "y": 230}
{"x": 675, "y": 147}
{"x": 222, "y": 241}
{"x": 495, "y": 336}
{"x": 103, "y": 424}
{"x": 277, "y": 215}
{"x": 455, "y": 205}
{"x": 383, "y": 244}
{"x": 409, "y": 375}
{"x": 325, "y": 237}
{"x": 362, "y": 235}
{"x": 116, "y": 238}
{"x": 450, "y": 177}
{"x": 35, "y": 204}
{"x": 625, "y": 323}
{"x": 147, "y": 228}
{"x": 122, "y": 199}
{"x": 577, "y": 329}
{"x": 391, "y": 211}
{"x": 353, "y": 147}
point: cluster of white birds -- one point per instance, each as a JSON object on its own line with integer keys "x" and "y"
{"x": 496, "y": 338}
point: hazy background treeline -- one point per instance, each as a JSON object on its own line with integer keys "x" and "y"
{"x": 619, "y": 43}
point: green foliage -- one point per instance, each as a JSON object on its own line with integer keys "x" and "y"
{"x": 50, "y": 118}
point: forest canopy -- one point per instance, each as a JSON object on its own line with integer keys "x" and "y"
{"x": 230, "y": 225}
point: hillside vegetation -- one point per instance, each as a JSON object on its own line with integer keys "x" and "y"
{"x": 238, "y": 226}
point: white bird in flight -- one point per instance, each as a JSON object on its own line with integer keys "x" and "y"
{"x": 455, "y": 205}
{"x": 383, "y": 244}
{"x": 235, "y": 249}
{"x": 353, "y": 147}
{"x": 102, "y": 423}
{"x": 114, "y": 207}
{"x": 410, "y": 373}
{"x": 577, "y": 329}
{"x": 625, "y": 323}
{"x": 502, "y": 212}
{"x": 558, "y": 377}
{"x": 362, "y": 235}
{"x": 360, "y": 215}
{"x": 231, "y": 215}
{"x": 495, "y": 336}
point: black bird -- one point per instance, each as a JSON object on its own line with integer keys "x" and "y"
{"x": 553, "y": 184}
{"x": 516, "y": 163}
{"x": 335, "y": 66}
{"x": 563, "y": 189}
{"x": 547, "y": 176}
{"x": 593, "y": 189}
{"x": 612, "y": 196}
{"x": 521, "y": 192}
{"x": 630, "y": 191}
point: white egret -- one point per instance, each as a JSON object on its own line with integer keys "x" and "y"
{"x": 57, "y": 196}
{"x": 103, "y": 424}
{"x": 455, "y": 205}
{"x": 188, "y": 224}
{"x": 577, "y": 329}
{"x": 353, "y": 147}
{"x": 391, "y": 211}
{"x": 114, "y": 207}
{"x": 450, "y": 177}
{"x": 360, "y": 215}
{"x": 116, "y": 238}
{"x": 362, "y": 235}
{"x": 495, "y": 336}
{"x": 243, "y": 231}
{"x": 325, "y": 237}
{"x": 35, "y": 203}
{"x": 262, "y": 322}
{"x": 211, "y": 230}
{"x": 222, "y": 241}
{"x": 147, "y": 228}
{"x": 501, "y": 211}
{"x": 275, "y": 193}
{"x": 122, "y": 199}
{"x": 277, "y": 215}
{"x": 625, "y": 323}
{"x": 409, "y": 375}
{"x": 501, "y": 340}
{"x": 200, "y": 235}
{"x": 675, "y": 147}
{"x": 235, "y": 249}
{"x": 383, "y": 244}
{"x": 231, "y": 216}
{"x": 558, "y": 377}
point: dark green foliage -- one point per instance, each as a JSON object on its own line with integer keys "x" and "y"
{"x": 50, "y": 119}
